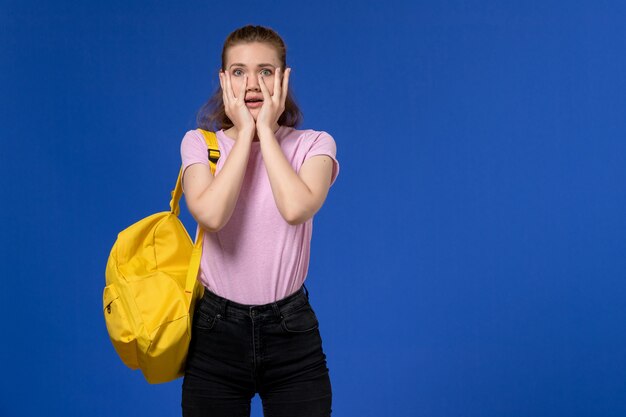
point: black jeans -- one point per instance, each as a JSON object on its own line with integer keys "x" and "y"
{"x": 237, "y": 350}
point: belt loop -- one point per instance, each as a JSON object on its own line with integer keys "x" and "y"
{"x": 307, "y": 291}
{"x": 223, "y": 304}
{"x": 276, "y": 310}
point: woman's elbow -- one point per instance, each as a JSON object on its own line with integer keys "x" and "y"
{"x": 208, "y": 222}
{"x": 210, "y": 228}
{"x": 294, "y": 221}
{"x": 298, "y": 215}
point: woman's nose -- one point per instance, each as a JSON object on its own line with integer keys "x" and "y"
{"x": 253, "y": 83}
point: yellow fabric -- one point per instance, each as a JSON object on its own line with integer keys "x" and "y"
{"x": 152, "y": 287}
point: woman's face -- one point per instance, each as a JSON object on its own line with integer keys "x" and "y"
{"x": 252, "y": 59}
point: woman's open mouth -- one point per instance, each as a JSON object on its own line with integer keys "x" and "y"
{"x": 254, "y": 104}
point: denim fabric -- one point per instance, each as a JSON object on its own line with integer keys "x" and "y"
{"x": 239, "y": 350}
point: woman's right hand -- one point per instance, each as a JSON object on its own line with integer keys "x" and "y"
{"x": 235, "y": 107}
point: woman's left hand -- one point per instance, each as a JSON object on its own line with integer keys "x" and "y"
{"x": 273, "y": 105}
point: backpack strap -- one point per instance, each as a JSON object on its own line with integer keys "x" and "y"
{"x": 196, "y": 254}
{"x": 213, "y": 155}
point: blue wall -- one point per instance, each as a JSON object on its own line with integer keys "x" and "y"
{"x": 469, "y": 260}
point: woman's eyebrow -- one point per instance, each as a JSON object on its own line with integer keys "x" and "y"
{"x": 244, "y": 65}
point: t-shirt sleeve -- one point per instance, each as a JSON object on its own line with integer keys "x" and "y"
{"x": 324, "y": 144}
{"x": 193, "y": 150}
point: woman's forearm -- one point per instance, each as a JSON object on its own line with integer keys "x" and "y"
{"x": 218, "y": 200}
{"x": 290, "y": 193}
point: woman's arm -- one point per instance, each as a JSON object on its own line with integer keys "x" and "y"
{"x": 298, "y": 196}
{"x": 211, "y": 200}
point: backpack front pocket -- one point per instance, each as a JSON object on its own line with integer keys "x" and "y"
{"x": 119, "y": 327}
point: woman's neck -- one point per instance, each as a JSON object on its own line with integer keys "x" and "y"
{"x": 233, "y": 133}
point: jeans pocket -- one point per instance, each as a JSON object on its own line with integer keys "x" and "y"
{"x": 301, "y": 320}
{"x": 205, "y": 317}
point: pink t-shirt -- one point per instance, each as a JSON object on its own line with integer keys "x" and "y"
{"x": 257, "y": 257}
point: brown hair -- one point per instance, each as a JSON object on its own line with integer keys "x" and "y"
{"x": 212, "y": 115}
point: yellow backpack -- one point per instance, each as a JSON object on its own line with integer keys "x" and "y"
{"x": 151, "y": 288}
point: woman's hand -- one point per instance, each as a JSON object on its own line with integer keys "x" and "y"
{"x": 235, "y": 107}
{"x": 273, "y": 105}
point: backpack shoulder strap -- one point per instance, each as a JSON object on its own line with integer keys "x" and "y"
{"x": 191, "y": 283}
{"x": 212, "y": 147}
{"x": 213, "y": 154}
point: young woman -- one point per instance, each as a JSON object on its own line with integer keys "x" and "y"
{"x": 254, "y": 329}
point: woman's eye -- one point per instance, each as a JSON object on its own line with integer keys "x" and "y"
{"x": 267, "y": 72}
{"x": 236, "y": 72}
